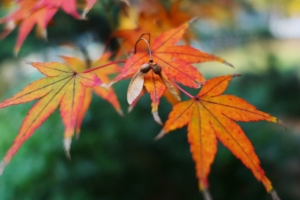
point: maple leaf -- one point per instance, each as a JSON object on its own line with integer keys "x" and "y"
{"x": 103, "y": 73}
{"x": 211, "y": 116}
{"x": 62, "y": 86}
{"x": 149, "y": 17}
{"x": 32, "y": 12}
{"x": 69, "y": 6}
{"x": 174, "y": 61}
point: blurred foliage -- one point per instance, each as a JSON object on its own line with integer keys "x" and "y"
{"x": 117, "y": 158}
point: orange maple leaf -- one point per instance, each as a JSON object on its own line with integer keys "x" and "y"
{"x": 40, "y": 12}
{"x": 174, "y": 61}
{"x": 62, "y": 86}
{"x": 149, "y": 17}
{"x": 211, "y": 115}
{"x": 103, "y": 73}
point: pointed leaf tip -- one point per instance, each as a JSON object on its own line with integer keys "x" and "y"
{"x": 235, "y": 75}
{"x": 206, "y": 194}
{"x": 77, "y": 135}
{"x": 43, "y": 34}
{"x": 156, "y": 117}
{"x": 193, "y": 20}
{"x": 129, "y": 109}
{"x": 83, "y": 16}
{"x": 280, "y": 122}
{"x": 67, "y": 146}
{"x": 199, "y": 84}
{"x": 16, "y": 51}
{"x": 28, "y": 62}
{"x": 160, "y": 135}
{"x": 120, "y": 113}
{"x": 104, "y": 85}
{"x": 84, "y": 13}
{"x": 2, "y": 166}
{"x": 109, "y": 85}
{"x": 227, "y": 63}
{"x": 126, "y": 2}
{"x": 274, "y": 195}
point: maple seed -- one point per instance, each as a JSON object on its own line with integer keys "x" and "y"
{"x": 136, "y": 85}
{"x": 156, "y": 68}
{"x": 145, "y": 68}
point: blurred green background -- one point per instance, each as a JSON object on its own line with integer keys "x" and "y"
{"x": 116, "y": 157}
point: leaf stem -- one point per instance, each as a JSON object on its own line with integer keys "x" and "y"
{"x": 140, "y": 39}
{"x": 149, "y": 50}
{"x": 182, "y": 90}
{"x": 102, "y": 66}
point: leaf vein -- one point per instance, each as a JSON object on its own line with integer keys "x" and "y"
{"x": 215, "y": 86}
{"x": 223, "y": 127}
{"x": 176, "y": 69}
{"x": 182, "y": 113}
{"x": 200, "y": 140}
{"x": 36, "y": 90}
{"x": 252, "y": 112}
{"x": 46, "y": 106}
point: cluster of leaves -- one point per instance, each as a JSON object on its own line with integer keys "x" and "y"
{"x": 40, "y": 13}
{"x": 157, "y": 69}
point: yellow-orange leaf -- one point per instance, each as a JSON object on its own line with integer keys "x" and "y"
{"x": 62, "y": 85}
{"x": 211, "y": 115}
{"x": 103, "y": 73}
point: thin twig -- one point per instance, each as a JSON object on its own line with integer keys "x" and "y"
{"x": 146, "y": 41}
{"x": 150, "y": 54}
{"x": 99, "y": 67}
{"x": 182, "y": 90}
